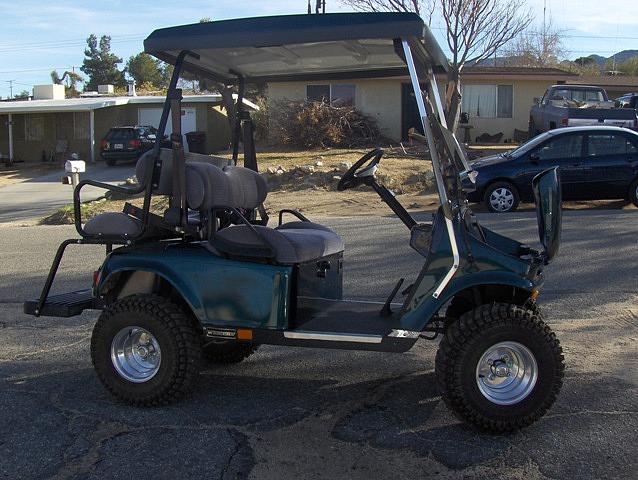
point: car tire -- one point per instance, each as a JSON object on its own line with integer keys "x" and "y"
{"x": 505, "y": 393}
{"x": 633, "y": 192}
{"x": 501, "y": 197}
{"x": 146, "y": 350}
{"x": 111, "y": 162}
{"x": 227, "y": 352}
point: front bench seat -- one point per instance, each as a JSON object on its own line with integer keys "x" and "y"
{"x": 293, "y": 242}
{"x": 114, "y": 224}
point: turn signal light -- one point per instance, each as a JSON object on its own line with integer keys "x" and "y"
{"x": 244, "y": 334}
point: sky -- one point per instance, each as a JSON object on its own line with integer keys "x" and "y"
{"x": 39, "y": 36}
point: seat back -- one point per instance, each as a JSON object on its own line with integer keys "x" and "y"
{"x": 165, "y": 184}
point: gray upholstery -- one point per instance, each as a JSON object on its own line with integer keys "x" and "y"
{"x": 248, "y": 188}
{"x": 290, "y": 245}
{"x": 113, "y": 223}
{"x": 301, "y": 225}
{"x": 207, "y": 186}
{"x": 165, "y": 185}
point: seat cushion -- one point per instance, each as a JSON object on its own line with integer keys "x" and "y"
{"x": 291, "y": 245}
{"x": 302, "y": 225}
{"x": 113, "y": 224}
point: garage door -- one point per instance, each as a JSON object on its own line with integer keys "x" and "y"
{"x": 152, "y": 116}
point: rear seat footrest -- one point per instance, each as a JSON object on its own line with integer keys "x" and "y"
{"x": 64, "y": 305}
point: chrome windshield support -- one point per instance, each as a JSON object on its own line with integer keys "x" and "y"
{"x": 436, "y": 163}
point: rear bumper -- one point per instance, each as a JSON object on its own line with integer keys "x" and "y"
{"x": 120, "y": 155}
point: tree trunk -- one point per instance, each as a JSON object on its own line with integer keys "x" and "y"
{"x": 453, "y": 99}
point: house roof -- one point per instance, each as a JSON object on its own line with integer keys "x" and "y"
{"x": 628, "y": 83}
{"x": 527, "y": 71}
{"x": 299, "y": 47}
{"x": 89, "y": 104}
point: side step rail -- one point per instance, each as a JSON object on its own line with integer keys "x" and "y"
{"x": 64, "y": 305}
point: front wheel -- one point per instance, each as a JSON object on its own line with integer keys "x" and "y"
{"x": 501, "y": 197}
{"x": 146, "y": 350}
{"x": 499, "y": 367}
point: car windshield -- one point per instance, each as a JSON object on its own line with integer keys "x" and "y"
{"x": 527, "y": 146}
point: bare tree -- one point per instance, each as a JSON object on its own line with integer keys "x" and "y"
{"x": 475, "y": 30}
{"x": 537, "y": 47}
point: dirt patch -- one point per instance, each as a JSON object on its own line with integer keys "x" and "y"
{"x": 22, "y": 172}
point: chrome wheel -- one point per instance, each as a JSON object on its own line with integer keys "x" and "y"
{"x": 136, "y": 354}
{"x": 506, "y": 373}
{"x": 501, "y": 199}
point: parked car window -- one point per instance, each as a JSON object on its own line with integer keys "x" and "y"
{"x": 121, "y": 134}
{"x": 565, "y": 146}
{"x": 607, "y": 144}
{"x": 579, "y": 95}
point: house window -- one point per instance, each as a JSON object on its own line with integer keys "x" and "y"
{"x": 80, "y": 125}
{"x": 340, "y": 95}
{"x": 33, "y": 128}
{"x": 488, "y": 101}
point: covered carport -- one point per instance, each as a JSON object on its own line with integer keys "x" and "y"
{"x": 41, "y": 128}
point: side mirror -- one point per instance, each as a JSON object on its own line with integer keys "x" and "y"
{"x": 537, "y": 101}
{"x": 547, "y": 193}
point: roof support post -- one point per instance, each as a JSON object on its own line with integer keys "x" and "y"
{"x": 10, "y": 128}
{"x": 436, "y": 166}
{"x": 92, "y": 135}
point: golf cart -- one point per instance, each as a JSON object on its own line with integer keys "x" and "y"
{"x": 209, "y": 278}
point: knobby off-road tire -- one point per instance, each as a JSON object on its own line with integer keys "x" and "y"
{"x": 464, "y": 346}
{"x": 173, "y": 335}
{"x": 227, "y": 352}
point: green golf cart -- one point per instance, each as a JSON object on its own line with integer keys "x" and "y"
{"x": 211, "y": 278}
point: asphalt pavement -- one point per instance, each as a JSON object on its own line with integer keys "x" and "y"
{"x": 29, "y": 201}
{"x": 306, "y": 413}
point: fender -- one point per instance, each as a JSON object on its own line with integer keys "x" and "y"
{"x": 219, "y": 291}
{"x": 417, "y": 319}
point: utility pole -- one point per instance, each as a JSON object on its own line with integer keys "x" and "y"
{"x": 10, "y": 82}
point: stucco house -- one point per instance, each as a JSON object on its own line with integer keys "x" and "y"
{"x": 33, "y": 130}
{"x": 497, "y": 99}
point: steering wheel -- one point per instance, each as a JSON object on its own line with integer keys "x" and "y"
{"x": 362, "y": 169}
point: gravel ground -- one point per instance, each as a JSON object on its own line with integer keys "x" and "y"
{"x": 304, "y": 413}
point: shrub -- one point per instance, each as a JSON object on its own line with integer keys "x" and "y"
{"x": 319, "y": 124}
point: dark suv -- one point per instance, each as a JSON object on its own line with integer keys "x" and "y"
{"x": 594, "y": 163}
{"x": 630, "y": 100}
{"x": 127, "y": 143}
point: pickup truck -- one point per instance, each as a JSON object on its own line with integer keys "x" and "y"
{"x": 577, "y": 105}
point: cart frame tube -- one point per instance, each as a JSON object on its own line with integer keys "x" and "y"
{"x": 436, "y": 164}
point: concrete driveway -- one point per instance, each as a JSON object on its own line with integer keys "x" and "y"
{"x": 29, "y": 201}
{"x": 305, "y": 413}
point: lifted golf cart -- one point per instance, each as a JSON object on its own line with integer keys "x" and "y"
{"x": 209, "y": 278}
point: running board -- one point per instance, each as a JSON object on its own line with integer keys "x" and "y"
{"x": 336, "y": 340}
{"x": 333, "y": 337}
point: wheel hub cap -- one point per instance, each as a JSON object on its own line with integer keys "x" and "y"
{"x": 135, "y": 354}
{"x": 506, "y": 373}
{"x": 501, "y": 199}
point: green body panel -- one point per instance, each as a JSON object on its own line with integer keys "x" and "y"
{"x": 220, "y": 292}
{"x": 493, "y": 262}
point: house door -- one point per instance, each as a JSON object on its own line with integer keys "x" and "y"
{"x": 152, "y": 116}
{"x": 410, "y": 117}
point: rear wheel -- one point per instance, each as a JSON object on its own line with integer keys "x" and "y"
{"x": 501, "y": 197}
{"x": 227, "y": 352}
{"x": 499, "y": 367}
{"x": 633, "y": 192}
{"x": 146, "y": 350}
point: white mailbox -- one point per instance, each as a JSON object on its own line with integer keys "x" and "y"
{"x": 75, "y": 166}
